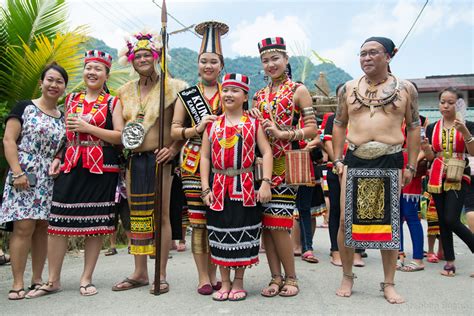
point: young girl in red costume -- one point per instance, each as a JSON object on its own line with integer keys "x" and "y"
{"x": 234, "y": 219}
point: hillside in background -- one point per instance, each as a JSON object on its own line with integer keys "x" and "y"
{"x": 183, "y": 65}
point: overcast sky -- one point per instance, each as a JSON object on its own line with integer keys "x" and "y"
{"x": 441, "y": 43}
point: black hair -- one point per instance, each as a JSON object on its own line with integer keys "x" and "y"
{"x": 453, "y": 90}
{"x": 245, "y": 106}
{"x": 54, "y": 65}
{"x": 414, "y": 84}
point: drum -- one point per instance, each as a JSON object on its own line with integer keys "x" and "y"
{"x": 298, "y": 167}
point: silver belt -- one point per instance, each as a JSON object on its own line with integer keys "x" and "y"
{"x": 373, "y": 150}
{"x": 232, "y": 172}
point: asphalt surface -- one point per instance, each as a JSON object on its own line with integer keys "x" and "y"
{"x": 426, "y": 292}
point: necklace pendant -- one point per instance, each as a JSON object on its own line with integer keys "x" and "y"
{"x": 371, "y": 92}
{"x": 372, "y": 110}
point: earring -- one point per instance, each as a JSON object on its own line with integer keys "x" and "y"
{"x": 265, "y": 78}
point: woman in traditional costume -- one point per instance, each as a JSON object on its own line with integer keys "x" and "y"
{"x": 35, "y": 132}
{"x": 195, "y": 107}
{"x": 84, "y": 193}
{"x": 279, "y": 107}
{"x": 234, "y": 220}
{"x": 450, "y": 139}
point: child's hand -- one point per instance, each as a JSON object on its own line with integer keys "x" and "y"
{"x": 208, "y": 199}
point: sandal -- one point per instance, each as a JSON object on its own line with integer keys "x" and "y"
{"x": 219, "y": 296}
{"x": 400, "y": 264}
{"x": 413, "y": 266}
{"x": 290, "y": 281}
{"x": 432, "y": 257}
{"x": 233, "y": 292}
{"x": 86, "y": 292}
{"x": 18, "y": 294}
{"x": 449, "y": 270}
{"x": 111, "y": 252}
{"x": 162, "y": 291}
{"x": 4, "y": 259}
{"x": 181, "y": 247}
{"x": 308, "y": 256}
{"x": 43, "y": 291}
{"x": 133, "y": 284}
{"x": 271, "y": 292}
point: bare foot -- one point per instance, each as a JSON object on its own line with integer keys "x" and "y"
{"x": 336, "y": 259}
{"x": 347, "y": 282}
{"x": 390, "y": 294}
{"x": 358, "y": 262}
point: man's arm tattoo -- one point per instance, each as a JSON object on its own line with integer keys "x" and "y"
{"x": 415, "y": 115}
{"x": 338, "y": 119}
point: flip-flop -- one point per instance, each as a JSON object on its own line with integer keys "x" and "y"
{"x": 17, "y": 292}
{"x": 85, "y": 287}
{"x": 309, "y": 257}
{"x": 4, "y": 259}
{"x": 111, "y": 252}
{"x": 413, "y": 266}
{"x": 42, "y": 292}
{"x": 181, "y": 247}
{"x": 335, "y": 264}
{"x": 162, "y": 291}
{"x": 220, "y": 297}
{"x": 133, "y": 284}
{"x": 450, "y": 270}
{"x": 237, "y": 292}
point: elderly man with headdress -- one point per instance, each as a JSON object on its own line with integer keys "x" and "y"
{"x": 141, "y": 102}
{"x": 195, "y": 108}
{"x": 375, "y": 106}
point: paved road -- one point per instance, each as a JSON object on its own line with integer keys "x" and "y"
{"x": 427, "y": 292}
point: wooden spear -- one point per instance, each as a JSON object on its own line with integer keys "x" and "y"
{"x": 158, "y": 208}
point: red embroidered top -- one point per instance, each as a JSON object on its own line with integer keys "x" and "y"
{"x": 95, "y": 157}
{"x": 229, "y": 152}
{"x": 281, "y": 109}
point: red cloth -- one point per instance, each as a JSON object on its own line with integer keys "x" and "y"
{"x": 228, "y": 158}
{"x": 92, "y": 156}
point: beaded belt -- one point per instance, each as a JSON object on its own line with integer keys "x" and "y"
{"x": 232, "y": 172}
{"x": 373, "y": 150}
{"x": 87, "y": 143}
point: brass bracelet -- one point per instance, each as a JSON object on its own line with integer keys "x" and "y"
{"x": 469, "y": 140}
{"x": 289, "y": 134}
{"x": 183, "y": 133}
{"x": 205, "y": 193}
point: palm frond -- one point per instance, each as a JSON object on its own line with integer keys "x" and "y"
{"x": 23, "y": 69}
{"x": 25, "y": 19}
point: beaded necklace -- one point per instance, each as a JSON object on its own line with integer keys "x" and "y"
{"x": 80, "y": 105}
{"x": 229, "y": 142}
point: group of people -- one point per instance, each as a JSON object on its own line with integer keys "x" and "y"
{"x": 65, "y": 171}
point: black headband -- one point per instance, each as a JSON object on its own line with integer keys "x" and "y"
{"x": 385, "y": 42}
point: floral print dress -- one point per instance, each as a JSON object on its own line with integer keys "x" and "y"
{"x": 40, "y": 139}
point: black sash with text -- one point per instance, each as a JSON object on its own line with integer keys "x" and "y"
{"x": 195, "y": 104}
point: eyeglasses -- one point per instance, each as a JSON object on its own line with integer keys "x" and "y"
{"x": 371, "y": 53}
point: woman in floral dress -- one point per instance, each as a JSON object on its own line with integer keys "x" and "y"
{"x": 34, "y": 134}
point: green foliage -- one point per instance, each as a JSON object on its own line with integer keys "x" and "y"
{"x": 95, "y": 43}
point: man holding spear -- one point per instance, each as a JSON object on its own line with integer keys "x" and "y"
{"x": 144, "y": 108}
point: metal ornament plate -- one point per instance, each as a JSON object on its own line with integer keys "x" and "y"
{"x": 133, "y": 135}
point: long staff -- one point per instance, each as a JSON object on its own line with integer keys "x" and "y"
{"x": 158, "y": 207}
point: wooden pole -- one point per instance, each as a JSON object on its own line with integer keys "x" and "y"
{"x": 158, "y": 207}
